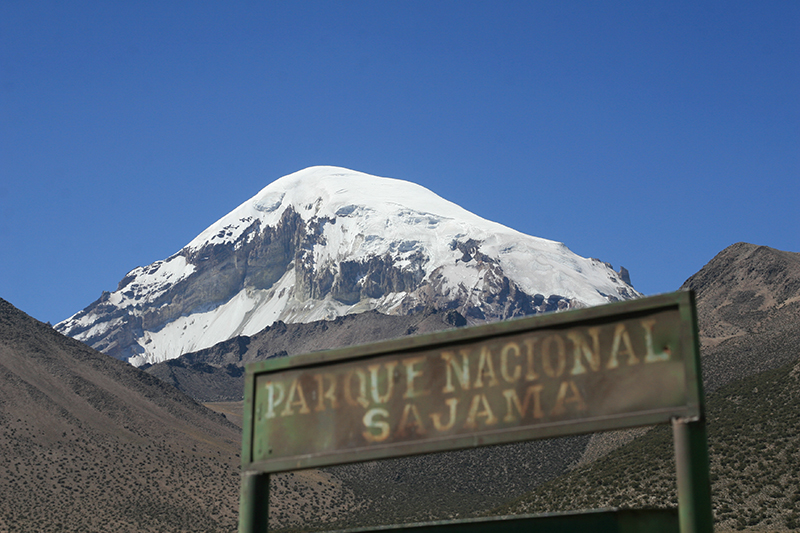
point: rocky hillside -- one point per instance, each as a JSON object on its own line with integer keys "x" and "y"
{"x": 748, "y": 301}
{"x": 754, "y": 447}
{"x": 748, "y": 306}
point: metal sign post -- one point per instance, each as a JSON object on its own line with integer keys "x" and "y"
{"x": 610, "y": 367}
{"x": 692, "y": 469}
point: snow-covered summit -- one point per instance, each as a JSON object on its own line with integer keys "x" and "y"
{"x": 385, "y": 207}
{"x": 327, "y": 241}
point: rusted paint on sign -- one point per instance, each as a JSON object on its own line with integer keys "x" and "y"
{"x": 602, "y": 368}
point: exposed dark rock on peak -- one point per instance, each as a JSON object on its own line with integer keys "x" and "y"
{"x": 471, "y": 250}
{"x": 454, "y": 318}
{"x": 624, "y": 275}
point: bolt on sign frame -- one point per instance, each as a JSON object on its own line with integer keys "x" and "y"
{"x": 615, "y": 366}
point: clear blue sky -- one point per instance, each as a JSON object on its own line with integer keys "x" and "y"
{"x": 647, "y": 134}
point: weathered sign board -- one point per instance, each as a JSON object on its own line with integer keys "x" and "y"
{"x": 619, "y": 365}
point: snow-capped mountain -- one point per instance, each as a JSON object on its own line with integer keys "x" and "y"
{"x": 325, "y": 242}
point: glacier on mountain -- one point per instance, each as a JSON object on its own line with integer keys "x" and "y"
{"x": 325, "y": 242}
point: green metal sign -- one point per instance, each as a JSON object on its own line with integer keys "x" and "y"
{"x": 609, "y": 367}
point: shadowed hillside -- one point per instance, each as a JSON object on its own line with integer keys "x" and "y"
{"x": 754, "y": 447}
{"x": 90, "y": 443}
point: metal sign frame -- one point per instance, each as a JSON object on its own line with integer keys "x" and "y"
{"x": 614, "y": 366}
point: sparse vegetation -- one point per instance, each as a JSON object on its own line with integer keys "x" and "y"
{"x": 753, "y": 434}
{"x": 90, "y": 444}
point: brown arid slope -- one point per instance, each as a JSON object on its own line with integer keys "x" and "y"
{"x": 90, "y": 443}
{"x": 748, "y": 307}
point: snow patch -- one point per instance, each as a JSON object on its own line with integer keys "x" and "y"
{"x": 269, "y": 202}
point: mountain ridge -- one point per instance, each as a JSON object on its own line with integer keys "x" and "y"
{"x": 748, "y": 307}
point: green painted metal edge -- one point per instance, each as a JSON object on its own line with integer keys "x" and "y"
{"x": 693, "y": 480}
{"x": 691, "y": 444}
{"x": 690, "y": 338}
{"x": 248, "y": 411}
{"x": 595, "y": 521}
{"x": 254, "y": 502}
